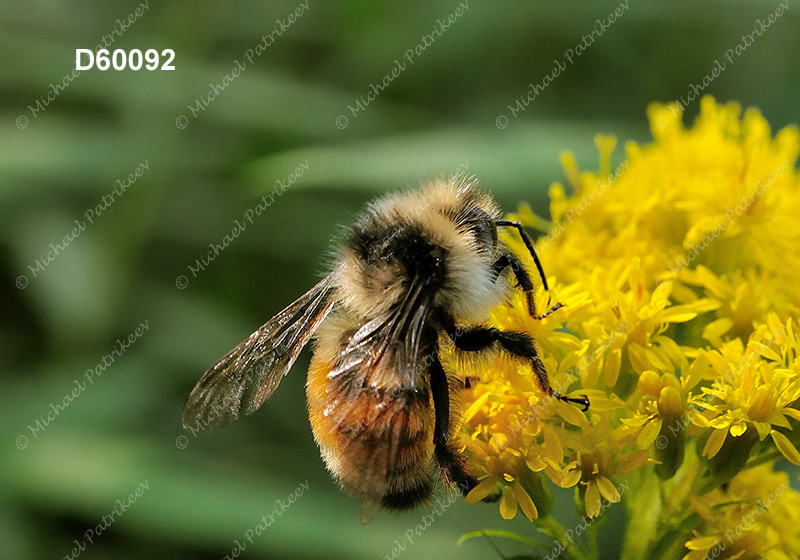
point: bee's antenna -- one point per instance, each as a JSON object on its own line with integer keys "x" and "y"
{"x": 527, "y": 240}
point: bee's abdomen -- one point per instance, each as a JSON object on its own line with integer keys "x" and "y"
{"x": 377, "y": 442}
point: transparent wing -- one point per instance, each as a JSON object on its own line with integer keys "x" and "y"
{"x": 245, "y": 377}
{"x": 384, "y": 353}
{"x": 387, "y": 345}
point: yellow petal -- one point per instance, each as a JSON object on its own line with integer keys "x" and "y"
{"x": 508, "y": 505}
{"x": 701, "y": 227}
{"x": 635, "y": 422}
{"x": 786, "y": 447}
{"x": 591, "y": 374}
{"x": 603, "y": 402}
{"x": 608, "y": 490}
{"x": 701, "y": 543}
{"x": 591, "y": 500}
{"x": 697, "y": 371}
{"x": 778, "y": 419}
{"x": 698, "y": 419}
{"x": 638, "y": 358}
{"x": 650, "y": 432}
{"x": 738, "y": 428}
{"x": 704, "y": 305}
{"x": 484, "y": 488}
{"x": 535, "y": 464}
{"x": 768, "y": 352}
{"x": 611, "y": 370}
{"x": 720, "y": 422}
{"x": 573, "y": 357}
{"x": 763, "y": 429}
{"x": 719, "y": 363}
{"x": 714, "y": 443}
{"x": 794, "y": 413}
{"x": 564, "y": 340}
{"x": 632, "y": 462}
{"x": 552, "y": 447}
{"x": 670, "y": 349}
{"x": 715, "y": 329}
{"x": 678, "y": 314}
{"x": 774, "y": 323}
{"x": 476, "y": 406}
{"x": 570, "y": 479}
{"x": 572, "y": 414}
{"x": 525, "y": 503}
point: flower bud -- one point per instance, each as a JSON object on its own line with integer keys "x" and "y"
{"x": 649, "y": 383}
{"x": 670, "y": 404}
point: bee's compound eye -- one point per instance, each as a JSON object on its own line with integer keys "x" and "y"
{"x": 379, "y": 252}
{"x": 437, "y": 258}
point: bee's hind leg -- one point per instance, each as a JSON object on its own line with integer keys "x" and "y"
{"x": 447, "y": 457}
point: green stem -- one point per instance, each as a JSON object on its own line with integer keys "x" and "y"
{"x": 761, "y": 459}
{"x": 503, "y": 534}
{"x": 593, "y": 553}
{"x": 553, "y": 528}
{"x": 669, "y": 538}
{"x": 644, "y": 508}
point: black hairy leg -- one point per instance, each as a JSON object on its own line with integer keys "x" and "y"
{"x": 524, "y": 280}
{"x": 528, "y": 243}
{"x": 450, "y": 464}
{"x": 475, "y": 339}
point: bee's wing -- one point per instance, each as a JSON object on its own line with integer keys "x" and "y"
{"x": 383, "y": 353}
{"x": 243, "y": 379}
{"x": 387, "y": 345}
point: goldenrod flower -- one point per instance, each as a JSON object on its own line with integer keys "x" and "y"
{"x": 678, "y": 270}
{"x": 755, "y": 388}
{"x": 755, "y": 516}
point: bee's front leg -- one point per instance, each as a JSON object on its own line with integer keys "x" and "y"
{"x": 524, "y": 280}
{"x": 475, "y": 339}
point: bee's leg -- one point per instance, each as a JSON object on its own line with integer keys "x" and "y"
{"x": 521, "y": 345}
{"x": 524, "y": 281}
{"x": 447, "y": 458}
{"x": 471, "y": 380}
{"x": 528, "y": 243}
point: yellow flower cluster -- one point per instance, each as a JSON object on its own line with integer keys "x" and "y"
{"x": 755, "y": 516}
{"x": 678, "y": 270}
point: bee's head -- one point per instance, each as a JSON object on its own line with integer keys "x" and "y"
{"x": 408, "y": 249}
{"x": 397, "y": 254}
{"x": 444, "y": 236}
{"x": 383, "y": 258}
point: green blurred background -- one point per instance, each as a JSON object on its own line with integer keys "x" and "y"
{"x": 441, "y": 112}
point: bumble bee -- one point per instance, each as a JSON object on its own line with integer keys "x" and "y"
{"x": 415, "y": 265}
